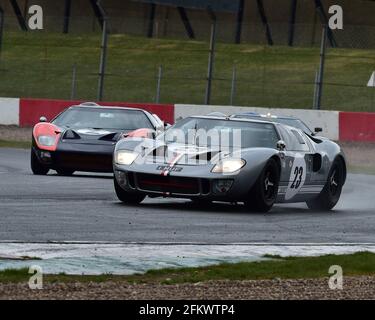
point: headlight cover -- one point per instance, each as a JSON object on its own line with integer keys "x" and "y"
{"x": 47, "y": 141}
{"x": 228, "y": 166}
{"x": 125, "y": 157}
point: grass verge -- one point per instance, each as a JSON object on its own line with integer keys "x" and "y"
{"x": 362, "y": 263}
{"x": 40, "y": 64}
{"x": 15, "y": 144}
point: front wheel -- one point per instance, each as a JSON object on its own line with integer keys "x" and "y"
{"x": 36, "y": 167}
{"x": 331, "y": 192}
{"x": 263, "y": 195}
{"x": 127, "y": 197}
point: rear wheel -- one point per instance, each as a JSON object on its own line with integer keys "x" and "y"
{"x": 127, "y": 197}
{"x": 263, "y": 195}
{"x": 36, "y": 167}
{"x": 331, "y": 192}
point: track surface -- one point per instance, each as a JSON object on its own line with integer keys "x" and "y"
{"x": 85, "y": 208}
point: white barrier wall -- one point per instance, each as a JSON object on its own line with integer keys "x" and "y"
{"x": 9, "y": 111}
{"x": 328, "y": 120}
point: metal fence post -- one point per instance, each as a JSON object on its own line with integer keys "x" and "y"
{"x": 74, "y": 82}
{"x": 315, "y": 88}
{"x": 1, "y": 29}
{"x": 158, "y": 88}
{"x": 103, "y": 55}
{"x": 211, "y": 57}
{"x": 233, "y": 88}
{"x": 321, "y": 68}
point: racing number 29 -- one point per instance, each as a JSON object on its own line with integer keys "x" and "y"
{"x": 298, "y": 173}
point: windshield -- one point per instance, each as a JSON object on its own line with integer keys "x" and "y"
{"x": 296, "y": 123}
{"x": 222, "y": 133}
{"x": 101, "y": 118}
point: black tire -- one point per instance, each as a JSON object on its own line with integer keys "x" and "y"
{"x": 331, "y": 192}
{"x": 36, "y": 167}
{"x": 128, "y": 197}
{"x": 64, "y": 172}
{"x": 263, "y": 194}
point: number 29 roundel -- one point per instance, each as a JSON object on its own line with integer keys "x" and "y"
{"x": 297, "y": 176}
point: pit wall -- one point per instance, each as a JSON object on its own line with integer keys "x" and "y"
{"x": 9, "y": 111}
{"x": 339, "y": 126}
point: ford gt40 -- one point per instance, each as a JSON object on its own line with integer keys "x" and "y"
{"x": 217, "y": 158}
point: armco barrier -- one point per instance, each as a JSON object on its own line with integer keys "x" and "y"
{"x": 357, "y": 126}
{"x": 9, "y": 111}
{"x": 30, "y": 110}
{"x": 343, "y": 126}
{"x": 327, "y": 120}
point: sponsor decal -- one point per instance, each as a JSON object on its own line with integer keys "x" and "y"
{"x": 169, "y": 168}
{"x": 297, "y": 176}
{"x": 35, "y": 21}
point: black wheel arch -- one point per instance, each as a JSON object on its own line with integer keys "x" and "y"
{"x": 276, "y": 158}
{"x": 341, "y": 158}
{"x": 278, "y": 161}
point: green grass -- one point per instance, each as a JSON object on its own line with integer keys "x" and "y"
{"x": 37, "y": 64}
{"x": 362, "y": 263}
{"x": 15, "y": 144}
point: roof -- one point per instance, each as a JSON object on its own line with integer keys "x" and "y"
{"x": 255, "y": 114}
{"x": 96, "y": 106}
{"x": 234, "y": 119}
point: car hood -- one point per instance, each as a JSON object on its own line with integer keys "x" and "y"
{"x": 92, "y": 136}
{"x": 157, "y": 151}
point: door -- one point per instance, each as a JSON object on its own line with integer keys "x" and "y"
{"x": 296, "y": 164}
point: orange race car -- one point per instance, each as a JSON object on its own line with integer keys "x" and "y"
{"x": 83, "y": 137}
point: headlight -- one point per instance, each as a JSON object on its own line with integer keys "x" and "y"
{"x": 229, "y": 166}
{"x": 46, "y": 141}
{"x": 125, "y": 157}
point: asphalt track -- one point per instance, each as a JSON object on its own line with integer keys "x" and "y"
{"x": 85, "y": 208}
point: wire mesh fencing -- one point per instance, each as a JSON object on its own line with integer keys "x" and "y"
{"x": 169, "y": 68}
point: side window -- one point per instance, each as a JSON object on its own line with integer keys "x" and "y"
{"x": 285, "y": 135}
{"x": 293, "y": 140}
{"x": 302, "y": 145}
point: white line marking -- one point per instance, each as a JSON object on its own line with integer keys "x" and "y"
{"x": 166, "y": 243}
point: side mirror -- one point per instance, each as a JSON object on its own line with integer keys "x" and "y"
{"x": 280, "y": 145}
{"x": 167, "y": 125}
{"x": 159, "y": 130}
{"x": 42, "y": 119}
{"x": 317, "y": 130}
